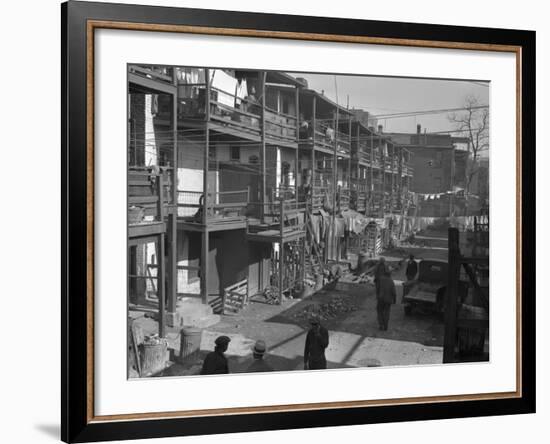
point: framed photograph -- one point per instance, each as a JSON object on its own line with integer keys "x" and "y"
{"x": 275, "y": 221}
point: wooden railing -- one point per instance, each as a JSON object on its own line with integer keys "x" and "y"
{"x": 343, "y": 198}
{"x": 219, "y": 205}
{"x": 285, "y": 207}
{"x": 285, "y": 217}
{"x": 407, "y": 170}
{"x": 280, "y": 126}
{"x": 245, "y": 114}
{"x": 286, "y": 192}
{"x": 358, "y": 196}
{"x": 326, "y": 136}
{"x": 158, "y": 74}
{"x": 239, "y": 113}
{"x": 320, "y": 192}
{"x": 364, "y": 156}
{"x": 389, "y": 165}
{"x": 148, "y": 194}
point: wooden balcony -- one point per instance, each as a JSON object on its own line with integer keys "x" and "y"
{"x": 226, "y": 210}
{"x": 284, "y": 221}
{"x": 343, "y": 198}
{"x": 326, "y": 137}
{"x": 151, "y": 79}
{"x": 321, "y": 195}
{"x": 238, "y": 116}
{"x": 148, "y": 200}
{"x": 390, "y": 166}
{"x": 407, "y": 170}
{"x": 359, "y": 196}
{"x": 280, "y": 126}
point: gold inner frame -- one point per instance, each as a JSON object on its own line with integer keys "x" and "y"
{"x": 92, "y": 25}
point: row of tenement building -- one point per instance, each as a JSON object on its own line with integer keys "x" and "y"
{"x": 245, "y": 183}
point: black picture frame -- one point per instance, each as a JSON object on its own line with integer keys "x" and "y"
{"x": 76, "y": 423}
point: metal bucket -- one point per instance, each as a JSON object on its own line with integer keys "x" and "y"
{"x": 190, "y": 342}
{"x": 154, "y": 358}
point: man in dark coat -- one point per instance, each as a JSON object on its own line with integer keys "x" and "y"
{"x": 381, "y": 269}
{"x": 216, "y": 362}
{"x": 384, "y": 299}
{"x": 316, "y": 343}
{"x": 412, "y": 268}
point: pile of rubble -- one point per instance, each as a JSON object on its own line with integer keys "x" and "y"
{"x": 326, "y": 311}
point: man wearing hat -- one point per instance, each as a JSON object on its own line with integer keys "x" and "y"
{"x": 259, "y": 364}
{"x": 412, "y": 268}
{"x": 216, "y": 362}
{"x": 380, "y": 270}
{"x": 316, "y": 343}
{"x": 385, "y": 297}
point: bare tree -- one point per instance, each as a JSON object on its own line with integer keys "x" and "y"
{"x": 473, "y": 123}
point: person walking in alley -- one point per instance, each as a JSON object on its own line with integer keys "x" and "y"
{"x": 215, "y": 362}
{"x": 316, "y": 343}
{"x": 385, "y": 297}
{"x": 259, "y": 364}
{"x": 380, "y": 270}
{"x": 412, "y": 268}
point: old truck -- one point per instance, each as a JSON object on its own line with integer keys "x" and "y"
{"x": 427, "y": 291}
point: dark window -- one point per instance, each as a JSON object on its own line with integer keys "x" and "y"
{"x": 212, "y": 153}
{"x": 236, "y": 153}
{"x": 285, "y": 106}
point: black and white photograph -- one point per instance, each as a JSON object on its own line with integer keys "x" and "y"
{"x": 300, "y": 221}
{"x": 275, "y": 222}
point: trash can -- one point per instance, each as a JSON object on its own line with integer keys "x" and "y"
{"x": 154, "y": 358}
{"x": 190, "y": 342}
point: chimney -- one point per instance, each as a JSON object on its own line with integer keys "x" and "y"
{"x": 302, "y": 81}
{"x": 418, "y": 128}
{"x": 380, "y": 129}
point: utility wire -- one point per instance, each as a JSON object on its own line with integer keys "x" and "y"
{"x": 428, "y": 111}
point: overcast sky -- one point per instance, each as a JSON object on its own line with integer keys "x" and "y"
{"x": 386, "y": 95}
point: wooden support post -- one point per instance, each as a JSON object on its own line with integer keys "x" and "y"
{"x": 297, "y": 172}
{"x": 451, "y": 197}
{"x": 281, "y": 216}
{"x": 335, "y": 181}
{"x": 161, "y": 291}
{"x": 371, "y": 173}
{"x": 161, "y": 272}
{"x": 263, "y": 185}
{"x": 313, "y": 124}
{"x": 349, "y": 160}
{"x": 358, "y": 151}
{"x": 205, "y": 247}
{"x": 281, "y": 250}
{"x": 204, "y": 266}
{"x": 206, "y": 151}
{"x": 303, "y": 262}
{"x": 400, "y": 175}
{"x": 383, "y": 177}
{"x": 392, "y": 178}
{"x": 173, "y": 216}
{"x": 451, "y": 297}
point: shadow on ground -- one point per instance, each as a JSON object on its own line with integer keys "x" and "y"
{"x": 351, "y": 308}
{"x": 241, "y": 364}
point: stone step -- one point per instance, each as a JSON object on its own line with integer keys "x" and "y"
{"x": 191, "y": 312}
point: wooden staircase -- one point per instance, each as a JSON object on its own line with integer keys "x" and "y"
{"x": 314, "y": 264}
